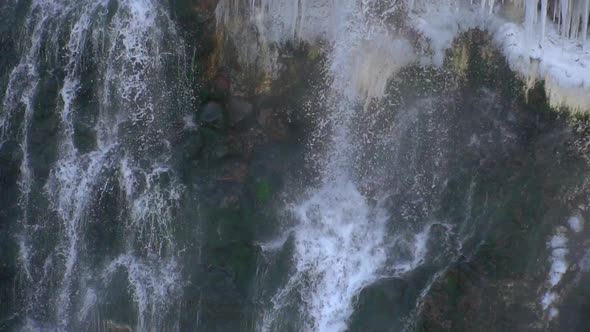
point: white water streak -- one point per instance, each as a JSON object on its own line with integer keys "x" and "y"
{"x": 127, "y": 55}
{"x": 339, "y": 245}
{"x": 338, "y": 251}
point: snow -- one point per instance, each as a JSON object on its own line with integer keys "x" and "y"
{"x": 553, "y": 52}
{"x": 542, "y": 40}
{"x": 561, "y": 63}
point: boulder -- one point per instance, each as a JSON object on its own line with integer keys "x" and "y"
{"x": 238, "y": 109}
{"x": 274, "y": 124}
{"x": 212, "y": 114}
{"x": 235, "y": 171}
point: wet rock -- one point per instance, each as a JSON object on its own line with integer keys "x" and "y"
{"x": 222, "y": 85}
{"x": 274, "y": 123}
{"x": 466, "y": 299}
{"x": 245, "y": 142}
{"x": 212, "y": 114}
{"x": 84, "y": 136}
{"x": 220, "y": 151}
{"x": 10, "y": 152}
{"x": 381, "y": 304}
{"x": 238, "y": 109}
{"x": 264, "y": 190}
{"x": 192, "y": 146}
{"x": 10, "y": 157}
{"x": 232, "y": 201}
{"x": 235, "y": 171}
{"x": 111, "y": 326}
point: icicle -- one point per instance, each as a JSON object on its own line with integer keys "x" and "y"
{"x": 570, "y": 16}
{"x": 530, "y": 7}
{"x": 491, "y": 10}
{"x": 564, "y": 6}
{"x": 585, "y": 13}
{"x": 559, "y": 21}
{"x": 576, "y": 18}
{"x": 543, "y": 19}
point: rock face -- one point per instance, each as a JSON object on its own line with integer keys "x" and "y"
{"x": 274, "y": 124}
{"x": 475, "y": 179}
{"x": 238, "y": 110}
{"x": 519, "y": 145}
{"x": 212, "y": 114}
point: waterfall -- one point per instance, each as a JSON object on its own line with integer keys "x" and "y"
{"x": 340, "y": 242}
{"x": 292, "y": 165}
{"x": 118, "y": 84}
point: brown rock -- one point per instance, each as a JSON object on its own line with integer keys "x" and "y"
{"x": 274, "y": 124}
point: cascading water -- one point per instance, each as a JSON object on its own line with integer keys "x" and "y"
{"x": 342, "y": 240}
{"x": 280, "y": 165}
{"x": 116, "y": 84}
{"x": 340, "y": 244}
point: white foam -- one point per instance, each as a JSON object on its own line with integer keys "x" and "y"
{"x": 576, "y": 223}
{"x": 548, "y": 299}
{"x": 338, "y": 251}
{"x": 412, "y": 250}
{"x": 189, "y": 123}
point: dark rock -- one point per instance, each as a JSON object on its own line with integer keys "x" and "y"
{"x": 84, "y": 136}
{"x": 238, "y": 109}
{"x": 233, "y": 172}
{"x": 192, "y": 145}
{"x": 212, "y": 114}
{"x": 244, "y": 142}
{"x": 275, "y": 124}
{"x": 222, "y": 85}
{"x": 10, "y": 152}
{"x": 111, "y": 326}
{"x": 220, "y": 151}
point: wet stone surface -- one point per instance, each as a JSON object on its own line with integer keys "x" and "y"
{"x": 470, "y": 173}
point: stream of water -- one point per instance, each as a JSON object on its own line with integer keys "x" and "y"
{"x": 126, "y": 205}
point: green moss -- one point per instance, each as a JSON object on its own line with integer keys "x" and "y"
{"x": 263, "y": 191}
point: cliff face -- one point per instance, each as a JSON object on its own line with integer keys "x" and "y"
{"x": 282, "y": 166}
{"x": 502, "y": 124}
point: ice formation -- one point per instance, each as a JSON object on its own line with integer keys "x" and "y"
{"x": 559, "y": 266}
{"x": 543, "y": 40}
